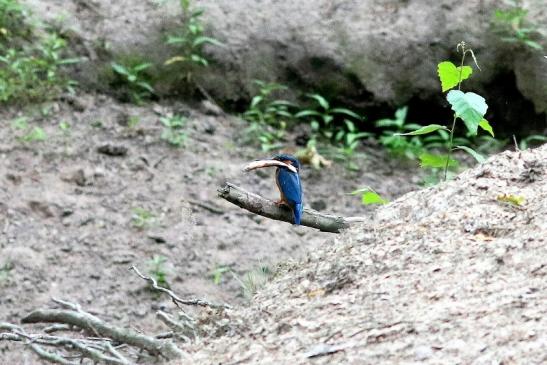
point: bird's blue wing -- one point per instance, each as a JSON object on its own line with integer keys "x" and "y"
{"x": 289, "y": 182}
{"x": 290, "y": 186}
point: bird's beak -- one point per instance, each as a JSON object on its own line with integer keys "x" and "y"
{"x": 268, "y": 163}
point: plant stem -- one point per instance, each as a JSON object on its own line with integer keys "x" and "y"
{"x": 449, "y": 155}
{"x": 450, "y": 147}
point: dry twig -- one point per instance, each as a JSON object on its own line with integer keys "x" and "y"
{"x": 175, "y": 298}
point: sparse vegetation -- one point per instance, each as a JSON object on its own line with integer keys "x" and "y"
{"x": 142, "y": 218}
{"x": 133, "y": 80}
{"x": 28, "y": 133}
{"x": 157, "y": 270}
{"x": 329, "y": 122}
{"x": 218, "y": 272}
{"x": 268, "y": 117}
{"x": 369, "y": 196}
{"x": 512, "y": 26}
{"x": 173, "y": 131}
{"x": 189, "y": 41}
{"x": 5, "y": 272}
{"x": 34, "y": 74}
{"x": 254, "y": 280}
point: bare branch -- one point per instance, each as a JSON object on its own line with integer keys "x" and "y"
{"x": 17, "y": 334}
{"x": 267, "y": 208}
{"x": 176, "y": 299}
{"x": 93, "y": 324}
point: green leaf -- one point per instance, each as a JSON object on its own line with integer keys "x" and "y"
{"x": 346, "y": 112}
{"x": 371, "y": 197}
{"x": 477, "y": 156}
{"x": 387, "y": 123}
{"x": 533, "y": 44}
{"x": 484, "y": 124}
{"x": 451, "y": 76}
{"x": 206, "y": 40}
{"x": 255, "y": 101}
{"x": 401, "y": 113}
{"x": 119, "y": 68}
{"x": 423, "y": 130}
{"x": 470, "y": 107}
{"x": 321, "y": 100}
{"x": 307, "y": 113}
{"x": 435, "y": 161}
{"x": 141, "y": 67}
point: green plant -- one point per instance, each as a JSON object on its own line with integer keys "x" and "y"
{"x": 391, "y": 137}
{"x": 369, "y": 196}
{"x": 532, "y": 140}
{"x": 189, "y": 41}
{"x": 30, "y": 64}
{"x": 218, "y": 273}
{"x": 133, "y": 121}
{"x": 142, "y": 218}
{"x": 322, "y": 117}
{"x": 337, "y": 125}
{"x": 253, "y": 280}
{"x": 135, "y": 79}
{"x": 268, "y": 117}
{"x": 64, "y": 127}
{"x": 347, "y": 140}
{"x": 513, "y": 27}
{"x": 33, "y": 74}
{"x": 28, "y": 134}
{"x": 12, "y": 20}
{"x": 173, "y": 131}
{"x": 469, "y": 107}
{"x": 157, "y": 270}
{"x": 264, "y": 109}
{"x": 5, "y": 270}
{"x": 268, "y": 137}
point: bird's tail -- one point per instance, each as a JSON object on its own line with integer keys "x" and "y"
{"x": 298, "y": 208}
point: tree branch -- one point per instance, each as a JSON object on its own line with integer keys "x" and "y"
{"x": 267, "y": 208}
{"x": 94, "y": 325}
{"x": 174, "y": 297}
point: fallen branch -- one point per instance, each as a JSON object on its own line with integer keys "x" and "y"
{"x": 90, "y": 323}
{"x": 174, "y": 297}
{"x": 267, "y": 208}
{"x": 97, "y": 350}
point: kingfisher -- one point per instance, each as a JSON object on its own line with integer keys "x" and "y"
{"x": 287, "y": 180}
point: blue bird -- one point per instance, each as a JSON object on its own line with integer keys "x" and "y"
{"x": 287, "y": 180}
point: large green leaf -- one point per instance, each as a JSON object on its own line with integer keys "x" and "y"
{"x": 477, "y": 156}
{"x": 470, "y": 107}
{"x": 451, "y": 76}
{"x": 423, "y": 130}
{"x": 484, "y": 124}
{"x": 435, "y": 161}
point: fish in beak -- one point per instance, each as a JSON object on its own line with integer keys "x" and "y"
{"x": 268, "y": 163}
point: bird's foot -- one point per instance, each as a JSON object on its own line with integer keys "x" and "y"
{"x": 279, "y": 202}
